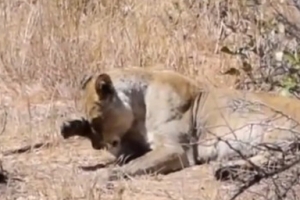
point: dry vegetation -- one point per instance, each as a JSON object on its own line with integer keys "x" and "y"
{"x": 47, "y": 46}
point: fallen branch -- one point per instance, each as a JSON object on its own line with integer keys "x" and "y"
{"x": 27, "y": 148}
{"x": 93, "y": 167}
{"x": 3, "y": 177}
{"x": 98, "y": 166}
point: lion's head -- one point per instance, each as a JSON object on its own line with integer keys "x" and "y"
{"x": 107, "y": 110}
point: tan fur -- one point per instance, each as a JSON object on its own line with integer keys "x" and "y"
{"x": 166, "y": 112}
{"x": 232, "y": 122}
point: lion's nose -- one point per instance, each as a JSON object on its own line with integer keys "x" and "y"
{"x": 97, "y": 145}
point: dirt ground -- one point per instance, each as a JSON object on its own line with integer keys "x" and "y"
{"x": 54, "y": 173}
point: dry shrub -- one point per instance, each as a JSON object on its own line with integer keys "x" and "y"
{"x": 48, "y": 45}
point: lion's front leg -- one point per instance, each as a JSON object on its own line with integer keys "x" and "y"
{"x": 163, "y": 159}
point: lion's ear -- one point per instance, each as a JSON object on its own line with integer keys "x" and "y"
{"x": 104, "y": 86}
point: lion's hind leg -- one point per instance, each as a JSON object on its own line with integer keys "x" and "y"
{"x": 232, "y": 169}
{"x": 264, "y": 163}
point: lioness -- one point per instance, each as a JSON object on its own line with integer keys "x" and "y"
{"x": 123, "y": 103}
{"x": 182, "y": 123}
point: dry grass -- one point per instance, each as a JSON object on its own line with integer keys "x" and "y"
{"x": 46, "y": 47}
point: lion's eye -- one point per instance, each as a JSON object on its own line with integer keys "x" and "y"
{"x": 115, "y": 143}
